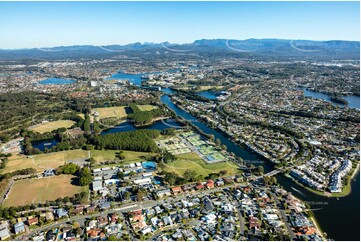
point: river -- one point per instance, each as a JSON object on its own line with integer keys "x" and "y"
{"x": 339, "y": 218}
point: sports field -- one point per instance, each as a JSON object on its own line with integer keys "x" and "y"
{"x": 29, "y": 191}
{"x": 50, "y": 126}
{"x": 192, "y": 161}
{"x": 146, "y": 107}
{"x": 115, "y": 112}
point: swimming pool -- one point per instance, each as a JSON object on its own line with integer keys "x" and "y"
{"x": 149, "y": 165}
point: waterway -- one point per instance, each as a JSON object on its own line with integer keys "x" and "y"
{"x": 353, "y": 101}
{"x": 56, "y": 81}
{"x": 339, "y": 218}
{"x": 208, "y": 94}
{"x": 129, "y": 126}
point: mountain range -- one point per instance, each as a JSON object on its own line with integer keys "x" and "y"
{"x": 258, "y": 48}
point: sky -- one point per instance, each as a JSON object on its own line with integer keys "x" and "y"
{"x": 48, "y": 24}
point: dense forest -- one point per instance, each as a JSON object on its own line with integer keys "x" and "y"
{"x": 137, "y": 140}
{"x": 143, "y": 117}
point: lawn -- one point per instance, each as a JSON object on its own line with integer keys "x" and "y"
{"x": 29, "y": 191}
{"x": 115, "y": 112}
{"x": 192, "y": 161}
{"x": 146, "y": 107}
{"x": 50, "y": 126}
{"x": 18, "y": 162}
{"x": 56, "y": 159}
{"x": 130, "y": 156}
{"x": 43, "y": 161}
{"x": 103, "y": 155}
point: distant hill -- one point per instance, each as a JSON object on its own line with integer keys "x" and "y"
{"x": 267, "y": 48}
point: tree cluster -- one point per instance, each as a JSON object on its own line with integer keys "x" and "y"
{"x": 137, "y": 140}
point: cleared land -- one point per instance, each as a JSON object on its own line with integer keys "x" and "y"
{"x": 192, "y": 161}
{"x": 111, "y": 112}
{"x": 50, "y": 126}
{"x": 30, "y": 191}
{"x": 146, "y": 107}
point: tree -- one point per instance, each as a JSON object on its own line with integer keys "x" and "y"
{"x": 223, "y": 172}
{"x": 218, "y": 142}
{"x": 211, "y": 137}
{"x": 190, "y": 175}
{"x": 85, "y": 176}
{"x": 112, "y": 238}
{"x": 120, "y": 175}
{"x": 86, "y": 124}
{"x": 92, "y": 161}
{"x": 140, "y": 195}
{"x": 69, "y": 168}
{"x": 260, "y": 170}
{"x": 126, "y": 195}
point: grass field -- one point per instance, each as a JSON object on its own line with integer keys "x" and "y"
{"x": 17, "y": 162}
{"x": 50, "y": 126}
{"x": 56, "y": 159}
{"x": 130, "y": 156}
{"x": 116, "y": 112}
{"x": 30, "y": 191}
{"x": 192, "y": 161}
{"x": 146, "y": 107}
{"x": 53, "y": 160}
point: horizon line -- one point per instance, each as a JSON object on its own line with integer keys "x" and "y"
{"x": 155, "y": 43}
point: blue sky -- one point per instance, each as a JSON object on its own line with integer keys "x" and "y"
{"x": 46, "y": 24}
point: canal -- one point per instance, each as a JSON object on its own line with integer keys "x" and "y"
{"x": 339, "y": 218}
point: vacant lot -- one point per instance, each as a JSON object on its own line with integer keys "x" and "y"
{"x": 192, "y": 161}
{"x": 111, "y": 112}
{"x": 50, "y": 126}
{"x": 130, "y": 156}
{"x": 146, "y": 107}
{"x": 30, "y": 191}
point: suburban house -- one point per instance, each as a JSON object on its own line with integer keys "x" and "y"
{"x": 32, "y": 220}
{"x": 210, "y": 184}
{"x": 162, "y": 193}
{"x": 4, "y": 231}
{"x": 199, "y": 186}
{"x": 61, "y": 212}
{"x": 176, "y": 190}
{"x": 19, "y": 227}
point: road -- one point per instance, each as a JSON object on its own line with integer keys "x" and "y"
{"x": 282, "y": 212}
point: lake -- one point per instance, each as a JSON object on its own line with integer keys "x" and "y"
{"x": 208, "y": 94}
{"x": 353, "y": 101}
{"x": 42, "y": 144}
{"x": 129, "y": 126}
{"x": 56, "y": 81}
